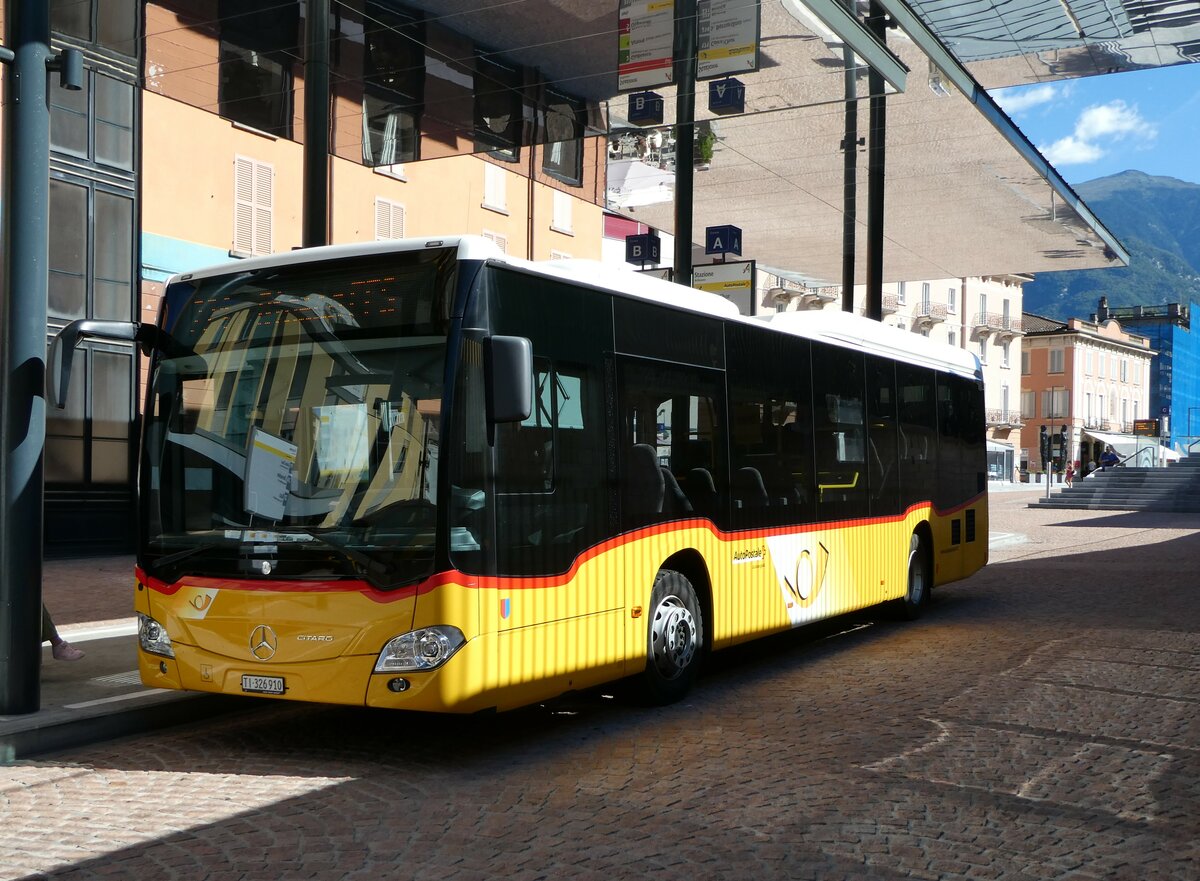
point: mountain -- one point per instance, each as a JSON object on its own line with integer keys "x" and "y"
{"x": 1157, "y": 219}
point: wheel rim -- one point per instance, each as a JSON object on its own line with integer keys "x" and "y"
{"x": 916, "y": 572}
{"x": 672, "y": 637}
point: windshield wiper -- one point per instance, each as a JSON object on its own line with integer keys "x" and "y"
{"x": 370, "y": 568}
{"x": 163, "y": 565}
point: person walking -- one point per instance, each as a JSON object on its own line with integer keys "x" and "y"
{"x": 59, "y": 647}
{"x": 1070, "y": 474}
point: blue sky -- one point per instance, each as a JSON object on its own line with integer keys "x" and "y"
{"x": 1148, "y": 120}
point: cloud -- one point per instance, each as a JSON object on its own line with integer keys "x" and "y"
{"x": 1096, "y": 129}
{"x": 1071, "y": 151}
{"x": 1116, "y": 119}
{"x": 1018, "y": 99}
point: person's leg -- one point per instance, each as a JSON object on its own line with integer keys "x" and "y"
{"x": 49, "y": 631}
{"x": 59, "y": 647}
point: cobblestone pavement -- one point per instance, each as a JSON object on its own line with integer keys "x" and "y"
{"x": 1040, "y": 722}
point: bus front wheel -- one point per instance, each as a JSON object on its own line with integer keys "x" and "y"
{"x": 917, "y": 594}
{"x": 674, "y": 638}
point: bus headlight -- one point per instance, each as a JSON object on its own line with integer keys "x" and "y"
{"x": 417, "y": 650}
{"x": 153, "y": 637}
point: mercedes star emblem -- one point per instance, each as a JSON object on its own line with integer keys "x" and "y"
{"x": 263, "y": 642}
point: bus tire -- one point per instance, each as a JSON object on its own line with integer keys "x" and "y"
{"x": 916, "y": 596}
{"x": 674, "y": 639}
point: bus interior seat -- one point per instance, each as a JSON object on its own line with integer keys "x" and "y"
{"x": 645, "y": 487}
{"x": 749, "y": 491}
{"x": 674, "y": 499}
{"x": 702, "y": 491}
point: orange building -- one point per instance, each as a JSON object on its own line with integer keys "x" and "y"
{"x": 1085, "y": 382}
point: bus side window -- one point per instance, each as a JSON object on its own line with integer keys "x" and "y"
{"x": 670, "y": 440}
{"x": 840, "y": 427}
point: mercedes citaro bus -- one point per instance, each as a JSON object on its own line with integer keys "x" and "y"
{"x": 420, "y": 474}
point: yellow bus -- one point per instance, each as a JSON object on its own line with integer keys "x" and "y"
{"x": 424, "y": 475}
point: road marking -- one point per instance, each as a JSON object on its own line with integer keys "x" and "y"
{"x": 99, "y": 630}
{"x": 1006, "y": 539}
{"x": 112, "y": 700}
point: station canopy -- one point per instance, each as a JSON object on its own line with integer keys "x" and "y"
{"x": 966, "y": 193}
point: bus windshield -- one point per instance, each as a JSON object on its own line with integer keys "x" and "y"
{"x": 292, "y": 430}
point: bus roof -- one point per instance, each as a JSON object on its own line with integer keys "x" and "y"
{"x": 838, "y": 328}
{"x": 872, "y": 336}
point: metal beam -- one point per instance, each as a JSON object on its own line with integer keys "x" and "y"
{"x": 877, "y": 137}
{"x": 873, "y": 51}
{"x": 23, "y": 353}
{"x": 316, "y": 124}
{"x": 685, "y": 136}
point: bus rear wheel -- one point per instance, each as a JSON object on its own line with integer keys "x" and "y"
{"x": 917, "y": 595}
{"x": 674, "y": 639}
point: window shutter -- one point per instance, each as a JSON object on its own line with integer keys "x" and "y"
{"x": 501, "y": 241}
{"x": 253, "y": 206}
{"x": 243, "y": 216}
{"x": 561, "y": 219}
{"x": 264, "y": 186}
{"x": 389, "y": 220}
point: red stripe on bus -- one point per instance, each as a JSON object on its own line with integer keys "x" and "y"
{"x": 516, "y": 582}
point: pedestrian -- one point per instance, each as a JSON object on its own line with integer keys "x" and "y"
{"x": 59, "y": 647}
{"x": 1091, "y": 466}
{"x": 1070, "y": 474}
{"x": 1109, "y": 459}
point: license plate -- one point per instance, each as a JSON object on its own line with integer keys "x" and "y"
{"x": 262, "y": 684}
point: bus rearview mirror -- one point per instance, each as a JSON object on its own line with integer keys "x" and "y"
{"x": 508, "y": 378}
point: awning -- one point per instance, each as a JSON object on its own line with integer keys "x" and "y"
{"x": 997, "y": 447}
{"x": 1128, "y": 444}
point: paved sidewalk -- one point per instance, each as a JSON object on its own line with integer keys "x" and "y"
{"x": 100, "y": 695}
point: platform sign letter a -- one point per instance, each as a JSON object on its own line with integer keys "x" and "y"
{"x": 723, "y": 240}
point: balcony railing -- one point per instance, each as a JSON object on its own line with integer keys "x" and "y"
{"x": 929, "y": 313}
{"x": 1004, "y": 418}
{"x": 1010, "y": 326}
{"x": 891, "y": 303}
{"x": 995, "y": 322}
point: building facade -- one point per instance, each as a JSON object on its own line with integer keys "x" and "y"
{"x": 1085, "y": 383}
{"x": 1174, "y": 373}
{"x": 185, "y": 148}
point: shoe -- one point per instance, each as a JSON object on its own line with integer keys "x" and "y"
{"x": 64, "y": 651}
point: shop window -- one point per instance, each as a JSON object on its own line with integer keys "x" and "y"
{"x": 562, "y": 155}
{"x": 110, "y": 24}
{"x": 393, "y": 84}
{"x": 258, "y": 44}
{"x": 499, "y": 109}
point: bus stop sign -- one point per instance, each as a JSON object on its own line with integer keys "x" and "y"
{"x": 643, "y": 249}
{"x": 723, "y": 240}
